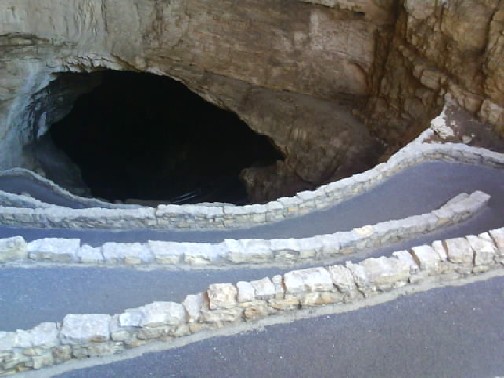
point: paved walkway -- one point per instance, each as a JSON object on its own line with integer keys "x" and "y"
{"x": 450, "y": 332}
{"x": 417, "y": 190}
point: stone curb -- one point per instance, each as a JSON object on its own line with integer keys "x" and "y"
{"x": 229, "y": 216}
{"x": 241, "y": 251}
{"x": 225, "y": 304}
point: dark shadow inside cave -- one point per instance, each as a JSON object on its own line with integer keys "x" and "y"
{"x": 146, "y": 137}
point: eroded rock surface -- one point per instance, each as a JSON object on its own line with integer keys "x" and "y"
{"x": 293, "y": 70}
{"x": 438, "y": 48}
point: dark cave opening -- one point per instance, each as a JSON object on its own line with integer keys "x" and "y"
{"x": 139, "y": 136}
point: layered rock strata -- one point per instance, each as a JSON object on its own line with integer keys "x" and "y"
{"x": 438, "y": 48}
{"x": 279, "y": 66}
{"x": 293, "y": 70}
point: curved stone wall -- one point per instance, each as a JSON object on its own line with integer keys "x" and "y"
{"x": 228, "y": 216}
{"x": 242, "y": 251}
{"x": 225, "y": 304}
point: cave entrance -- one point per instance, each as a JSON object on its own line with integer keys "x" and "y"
{"x": 139, "y": 136}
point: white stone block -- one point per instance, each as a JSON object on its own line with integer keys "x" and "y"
{"x": 87, "y": 328}
{"x": 222, "y": 296}
{"x": 307, "y": 195}
{"x": 479, "y": 198}
{"x": 428, "y": 259}
{"x": 166, "y": 253}
{"x": 294, "y": 284}
{"x": 193, "y": 304}
{"x": 283, "y": 247}
{"x": 289, "y": 202}
{"x": 55, "y": 250}
{"x": 169, "y": 211}
{"x": 127, "y": 253}
{"x": 459, "y": 251}
{"x": 90, "y": 255}
{"x": 406, "y": 258}
{"x": 329, "y": 244}
{"x": 348, "y": 240}
{"x": 44, "y": 335}
{"x": 430, "y": 221}
{"x": 248, "y": 251}
{"x": 158, "y": 314}
{"x": 445, "y": 215}
{"x": 308, "y": 248}
{"x": 7, "y": 341}
{"x": 209, "y": 212}
{"x": 440, "y": 249}
{"x": 308, "y": 280}
{"x": 12, "y": 249}
{"x": 469, "y": 205}
{"x": 498, "y": 237}
{"x": 342, "y": 278}
{"x": 385, "y": 273}
{"x": 364, "y": 231}
{"x": 231, "y": 211}
{"x": 359, "y": 275}
{"x": 118, "y": 332}
{"x": 226, "y": 315}
{"x": 200, "y": 254}
{"x": 484, "y": 249}
{"x": 279, "y": 288}
{"x": 264, "y": 288}
{"x": 132, "y": 317}
{"x": 246, "y": 292}
{"x": 274, "y": 206}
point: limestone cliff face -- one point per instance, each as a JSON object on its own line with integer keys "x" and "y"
{"x": 275, "y": 63}
{"x": 453, "y": 47}
{"x": 294, "y": 70}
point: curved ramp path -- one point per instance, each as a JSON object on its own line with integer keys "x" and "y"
{"x": 454, "y": 331}
{"x": 414, "y": 191}
{"x": 105, "y": 290}
{"x": 417, "y": 190}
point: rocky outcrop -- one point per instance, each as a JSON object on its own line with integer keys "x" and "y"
{"x": 241, "y": 56}
{"x": 439, "y": 48}
{"x": 293, "y": 70}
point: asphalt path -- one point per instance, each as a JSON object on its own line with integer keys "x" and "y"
{"x": 449, "y": 332}
{"x": 47, "y": 294}
{"x": 417, "y": 190}
{"x": 404, "y": 337}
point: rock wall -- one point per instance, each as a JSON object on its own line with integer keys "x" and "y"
{"x": 276, "y": 64}
{"x": 294, "y": 70}
{"x": 439, "y": 48}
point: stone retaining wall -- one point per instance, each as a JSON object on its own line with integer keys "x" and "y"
{"x": 229, "y": 216}
{"x": 244, "y": 251}
{"x": 225, "y": 304}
